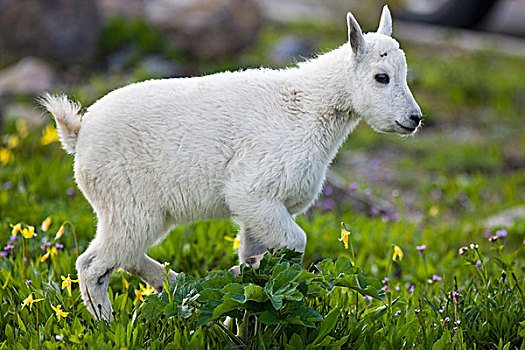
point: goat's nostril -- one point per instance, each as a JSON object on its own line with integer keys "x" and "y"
{"x": 416, "y": 118}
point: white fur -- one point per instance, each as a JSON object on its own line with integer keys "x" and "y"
{"x": 254, "y": 145}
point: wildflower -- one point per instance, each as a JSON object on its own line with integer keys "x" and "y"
{"x": 385, "y": 288}
{"x": 28, "y": 232}
{"x": 59, "y": 312}
{"x": 417, "y": 311}
{"x": 344, "y": 236}
{"x": 398, "y": 254}
{"x": 442, "y": 310}
{"x": 236, "y": 241}
{"x": 147, "y": 291}
{"x": 375, "y": 211}
{"x": 46, "y": 223}
{"x": 70, "y": 191}
{"x": 397, "y": 288}
{"x": 50, "y": 253}
{"x": 433, "y": 324}
{"x": 30, "y": 301}
{"x": 421, "y": 248}
{"x": 16, "y": 228}
{"x": 385, "y": 281}
{"x": 473, "y": 246}
{"x": 368, "y": 192}
{"x": 125, "y": 283}
{"x": 59, "y": 246}
{"x": 411, "y": 289}
{"x": 59, "y": 337}
{"x": 398, "y": 313}
{"x": 367, "y": 297}
{"x": 29, "y": 282}
{"x": 354, "y": 186}
{"x": 3, "y": 254}
{"x": 457, "y": 322}
{"x": 501, "y": 233}
{"x": 446, "y": 319}
{"x": 493, "y": 238}
{"x": 509, "y": 290}
{"x": 13, "y": 238}
{"x": 12, "y": 141}
{"x": 327, "y": 204}
{"x": 139, "y": 296}
{"x": 503, "y": 274}
{"x": 60, "y": 232}
{"x": 8, "y": 247}
{"x": 456, "y": 295}
{"x": 49, "y": 135}
{"x": 436, "y": 278}
{"x": 66, "y": 282}
{"x": 5, "y": 156}
{"x": 8, "y": 185}
{"x": 433, "y": 211}
{"x": 328, "y": 190}
{"x": 45, "y": 245}
{"x": 478, "y": 264}
{"x": 462, "y": 250}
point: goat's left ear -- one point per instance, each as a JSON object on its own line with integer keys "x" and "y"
{"x": 355, "y": 35}
{"x": 385, "y": 24}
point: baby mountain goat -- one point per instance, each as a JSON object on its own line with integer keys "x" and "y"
{"x": 253, "y": 145}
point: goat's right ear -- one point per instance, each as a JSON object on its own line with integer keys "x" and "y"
{"x": 355, "y": 35}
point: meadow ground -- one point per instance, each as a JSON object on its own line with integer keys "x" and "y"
{"x": 433, "y": 274}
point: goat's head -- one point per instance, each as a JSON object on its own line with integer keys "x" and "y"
{"x": 378, "y": 76}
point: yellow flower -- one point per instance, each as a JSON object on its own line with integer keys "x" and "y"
{"x": 59, "y": 312}
{"x": 433, "y": 211}
{"x": 236, "y": 241}
{"x": 139, "y": 296}
{"x": 398, "y": 254}
{"x": 344, "y": 237}
{"x": 66, "y": 282}
{"x": 21, "y": 128}
{"x": 60, "y": 232}
{"x": 125, "y": 282}
{"x": 147, "y": 291}
{"x": 50, "y": 252}
{"x": 30, "y": 301}
{"x": 13, "y": 141}
{"x": 5, "y": 156}
{"x": 16, "y": 228}
{"x": 46, "y": 223}
{"x": 49, "y": 135}
{"x": 28, "y": 232}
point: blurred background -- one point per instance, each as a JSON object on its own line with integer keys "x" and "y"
{"x": 466, "y": 69}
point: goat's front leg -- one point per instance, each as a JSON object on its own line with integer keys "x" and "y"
{"x": 265, "y": 223}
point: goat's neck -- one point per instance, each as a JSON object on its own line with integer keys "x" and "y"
{"x": 330, "y": 116}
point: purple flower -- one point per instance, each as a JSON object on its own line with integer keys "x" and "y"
{"x": 8, "y": 247}
{"x": 368, "y": 191}
{"x": 327, "y": 204}
{"x": 397, "y": 288}
{"x": 509, "y": 290}
{"x": 354, "y": 186}
{"x": 29, "y": 282}
{"x": 398, "y": 313}
{"x": 385, "y": 281}
{"x": 385, "y": 288}
{"x": 456, "y": 295}
{"x": 411, "y": 289}
{"x": 374, "y": 211}
{"x": 417, "y": 311}
{"x": 433, "y": 324}
{"x": 447, "y": 319}
{"x": 8, "y": 185}
{"x": 436, "y": 278}
{"x": 501, "y": 233}
{"x": 59, "y": 246}
{"x": 421, "y": 248}
{"x": 417, "y": 217}
{"x": 442, "y": 310}
{"x": 478, "y": 264}
{"x": 462, "y": 250}
{"x": 70, "y": 191}
{"x": 45, "y": 245}
{"x": 3, "y": 254}
{"x": 13, "y": 238}
{"x": 366, "y": 297}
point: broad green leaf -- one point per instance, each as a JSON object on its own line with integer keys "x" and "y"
{"x": 253, "y": 292}
{"x": 327, "y": 325}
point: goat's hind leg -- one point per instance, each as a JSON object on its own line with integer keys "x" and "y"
{"x": 150, "y": 271}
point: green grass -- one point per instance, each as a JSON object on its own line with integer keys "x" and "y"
{"x": 465, "y": 165}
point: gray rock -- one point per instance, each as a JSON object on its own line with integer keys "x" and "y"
{"x": 64, "y": 30}
{"x": 290, "y": 48}
{"x": 31, "y": 76}
{"x": 207, "y": 28}
{"x": 506, "y": 218}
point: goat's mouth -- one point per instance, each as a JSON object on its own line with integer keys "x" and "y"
{"x": 409, "y": 129}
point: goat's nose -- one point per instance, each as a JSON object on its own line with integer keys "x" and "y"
{"x": 416, "y": 118}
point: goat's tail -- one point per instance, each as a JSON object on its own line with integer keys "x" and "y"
{"x": 68, "y": 117}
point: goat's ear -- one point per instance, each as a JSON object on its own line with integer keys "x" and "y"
{"x": 385, "y": 24}
{"x": 355, "y": 35}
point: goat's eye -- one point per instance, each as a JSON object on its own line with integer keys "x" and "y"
{"x": 382, "y": 78}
